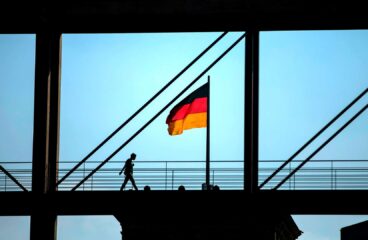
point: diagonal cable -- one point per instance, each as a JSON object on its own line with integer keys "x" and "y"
{"x": 13, "y": 178}
{"x": 321, "y": 147}
{"x": 314, "y": 137}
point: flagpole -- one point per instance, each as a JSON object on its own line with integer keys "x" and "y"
{"x": 208, "y": 139}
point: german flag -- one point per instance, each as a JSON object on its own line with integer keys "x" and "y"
{"x": 191, "y": 112}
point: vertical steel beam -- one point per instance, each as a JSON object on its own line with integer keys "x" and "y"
{"x": 43, "y": 225}
{"x": 46, "y": 131}
{"x": 55, "y": 86}
{"x": 251, "y": 111}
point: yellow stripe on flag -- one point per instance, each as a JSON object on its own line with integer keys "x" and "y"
{"x": 196, "y": 120}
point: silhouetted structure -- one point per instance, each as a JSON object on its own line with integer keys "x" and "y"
{"x": 206, "y": 186}
{"x": 50, "y": 21}
{"x": 191, "y": 225}
{"x": 357, "y": 231}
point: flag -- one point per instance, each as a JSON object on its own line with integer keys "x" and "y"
{"x": 191, "y": 112}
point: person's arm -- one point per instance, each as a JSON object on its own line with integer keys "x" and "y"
{"x": 122, "y": 169}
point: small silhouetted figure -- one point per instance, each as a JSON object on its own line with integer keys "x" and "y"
{"x": 128, "y": 172}
{"x": 147, "y": 188}
{"x": 181, "y": 188}
{"x": 216, "y": 188}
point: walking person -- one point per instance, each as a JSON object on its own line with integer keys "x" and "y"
{"x": 128, "y": 172}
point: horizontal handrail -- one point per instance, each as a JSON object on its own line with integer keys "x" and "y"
{"x": 320, "y": 174}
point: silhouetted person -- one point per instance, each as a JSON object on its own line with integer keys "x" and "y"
{"x": 181, "y": 188}
{"x": 128, "y": 172}
{"x": 216, "y": 188}
{"x": 147, "y": 188}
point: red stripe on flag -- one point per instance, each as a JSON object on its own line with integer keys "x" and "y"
{"x": 199, "y": 105}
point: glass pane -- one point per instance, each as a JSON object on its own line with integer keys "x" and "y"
{"x": 88, "y": 227}
{"x": 14, "y": 228}
{"x": 17, "y": 64}
{"x": 306, "y": 79}
{"x": 327, "y": 226}
{"x": 107, "y": 77}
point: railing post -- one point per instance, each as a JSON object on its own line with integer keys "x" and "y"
{"x": 5, "y": 182}
{"x": 335, "y": 179}
{"x": 172, "y": 179}
{"x": 332, "y": 174}
{"x": 165, "y": 175}
{"x": 84, "y": 172}
{"x": 213, "y": 177}
{"x": 290, "y": 179}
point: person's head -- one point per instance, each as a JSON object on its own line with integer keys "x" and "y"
{"x": 181, "y": 188}
{"x": 147, "y": 188}
{"x": 132, "y": 156}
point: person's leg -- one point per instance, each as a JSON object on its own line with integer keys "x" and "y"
{"x": 133, "y": 182}
{"x": 125, "y": 182}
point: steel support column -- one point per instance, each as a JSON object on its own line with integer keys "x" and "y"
{"x": 251, "y": 111}
{"x": 46, "y": 131}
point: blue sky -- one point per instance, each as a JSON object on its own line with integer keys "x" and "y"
{"x": 306, "y": 77}
{"x": 115, "y": 74}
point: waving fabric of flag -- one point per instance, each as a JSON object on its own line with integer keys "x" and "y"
{"x": 191, "y": 112}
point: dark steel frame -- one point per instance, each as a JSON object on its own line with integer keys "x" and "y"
{"x": 46, "y": 130}
{"x": 48, "y": 21}
{"x": 251, "y": 111}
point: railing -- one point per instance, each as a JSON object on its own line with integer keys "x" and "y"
{"x": 318, "y": 174}
{"x": 159, "y": 175}
{"x": 20, "y": 171}
{"x": 228, "y": 175}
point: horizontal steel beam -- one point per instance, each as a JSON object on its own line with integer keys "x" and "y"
{"x": 170, "y": 203}
{"x": 180, "y": 15}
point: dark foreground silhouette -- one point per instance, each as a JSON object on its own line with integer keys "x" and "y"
{"x": 128, "y": 172}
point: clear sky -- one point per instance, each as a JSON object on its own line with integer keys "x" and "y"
{"x": 106, "y": 78}
{"x": 306, "y": 77}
